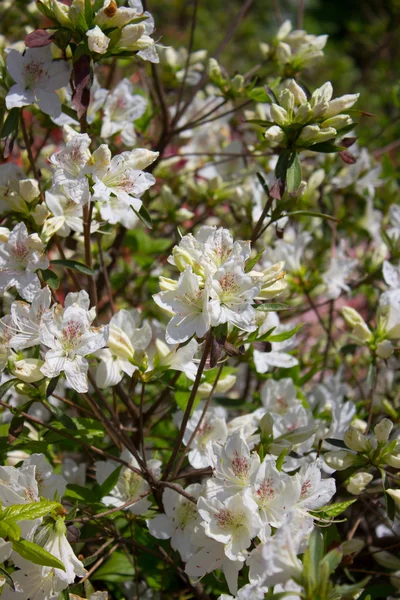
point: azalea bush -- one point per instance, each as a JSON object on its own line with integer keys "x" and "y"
{"x": 200, "y": 330}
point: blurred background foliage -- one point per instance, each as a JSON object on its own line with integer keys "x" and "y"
{"x": 362, "y": 53}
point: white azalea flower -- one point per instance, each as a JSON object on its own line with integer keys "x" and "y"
{"x": 190, "y": 306}
{"x": 20, "y": 257}
{"x": 67, "y": 214}
{"x": 36, "y": 76}
{"x": 16, "y": 192}
{"x": 315, "y": 492}
{"x": 70, "y": 164}
{"x": 179, "y": 521}
{"x": 130, "y": 486}
{"x": 50, "y": 485}
{"x": 69, "y": 335}
{"x": 277, "y": 357}
{"x": 278, "y": 396}
{"x": 275, "y": 561}
{"x": 122, "y": 177}
{"x": 27, "y": 318}
{"x": 211, "y": 556}
{"x": 236, "y": 292}
{"x": 212, "y": 429}
{"x": 235, "y": 467}
{"x": 177, "y": 359}
{"x": 97, "y": 40}
{"x": 274, "y": 493}
{"x": 340, "y": 267}
{"x": 234, "y": 522}
{"x": 121, "y": 108}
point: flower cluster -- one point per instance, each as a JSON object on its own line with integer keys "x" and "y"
{"x": 214, "y": 287}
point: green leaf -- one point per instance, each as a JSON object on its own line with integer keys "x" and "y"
{"x": 337, "y": 443}
{"x": 70, "y": 112}
{"x": 51, "y": 278}
{"x": 28, "y": 512}
{"x": 293, "y": 174}
{"x": 74, "y": 265}
{"x": 251, "y": 262}
{"x": 52, "y": 386}
{"x": 272, "y": 306}
{"x": 281, "y": 459}
{"x": 258, "y": 94}
{"x": 61, "y": 416}
{"x": 110, "y": 483}
{"x": 4, "y": 387}
{"x": 337, "y": 508}
{"x": 282, "y": 164}
{"x": 36, "y": 554}
{"x": 10, "y": 126}
{"x": 326, "y": 147}
{"x": 389, "y": 502}
{"x": 285, "y": 335}
{"x": 144, "y": 216}
{"x": 88, "y": 13}
{"x": 312, "y": 213}
{"x": 332, "y": 559}
{"x": 316, "y": 551}
{"x": 9, "y": 530}
{"x": 7, "y": 577}
{"x": 118, "y": 568}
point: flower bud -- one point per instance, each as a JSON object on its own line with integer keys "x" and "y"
{"x": 28, "y": 369}
{"x": 214, "y": 70}
{"x": 337, "y": 122}
{"x": 304, "y": 113}
{"x": 119, "y": 343}
{"x": 283, "y": 53}
{"x": 384, "y": 349}
{"x": 167, "y": 284}
{"x": 286, "y": 100}
{"x": 393, "y": 460}
{"x": 358, "y": 482}
{"x": 322, "y": 94}
{"x": 341, "y": 104}
{"x": 29, "y": 189}
{"x": 265, "y": 48}
{"x": 307, "y": 134}
{"x": 39, "y": 214}
{"x": 355, "y": 320}
{"x": 97, "y": 40}
{"x": 298, "y": 92}
{"x": 339, "y": 460}
{"x": 279, "y": 115}
{"x": 284, "y": 30}
{"x": 382, "y": 430}
{"x": 274, "y": 134}
{"x": 355, "y": 440}
{"x": 223, "y": 386}
{"x": 131, "y": 34}
{"x": 237, "y": 82}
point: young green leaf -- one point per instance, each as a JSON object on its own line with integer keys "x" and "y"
{"x": 36, "y": 554}
{"x": 272, "y": 307}
{"x": 74, "y": 265}
{"x": 285, "y": 335}
{"x": 51, "y": 278}
{"x": 33, "y": 510}
{"x": 293, "y": 175}
{"x": 8, "y": 578}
